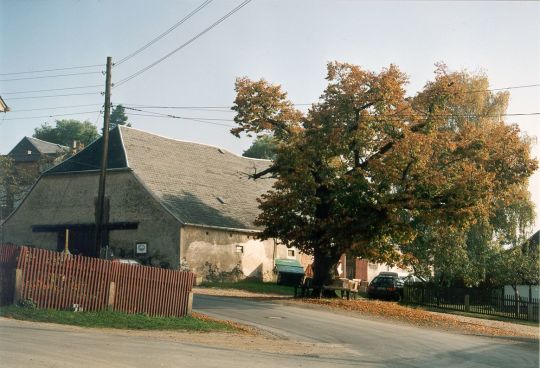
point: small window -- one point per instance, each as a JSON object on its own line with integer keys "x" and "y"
{"x": 29, "y": 152}
{"x": 290, "y": 252}
{"x": 239, "y": 249}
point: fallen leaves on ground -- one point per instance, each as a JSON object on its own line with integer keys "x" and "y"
{"x": 419, "y": 317}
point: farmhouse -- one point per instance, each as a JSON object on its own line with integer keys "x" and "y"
{"x": 169, "y": 203}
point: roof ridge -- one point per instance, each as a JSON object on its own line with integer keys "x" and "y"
{"x": 41, "y": 140}
{"x": 197, "y": 143}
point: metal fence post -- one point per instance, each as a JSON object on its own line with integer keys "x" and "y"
{"x": 467, "y": 303}
{"x": 530, "y": 313}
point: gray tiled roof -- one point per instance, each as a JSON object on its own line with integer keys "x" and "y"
{"x": 199, "y": 184}
{"x": 46, "y": 147}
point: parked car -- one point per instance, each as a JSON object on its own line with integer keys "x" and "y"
{"x": 412, "y": 279}
{"x": 387, "y": 285}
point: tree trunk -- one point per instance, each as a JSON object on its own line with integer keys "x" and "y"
{"x": 323, "y": 270}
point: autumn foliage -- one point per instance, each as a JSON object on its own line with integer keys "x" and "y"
{"x": 371, "y": 171}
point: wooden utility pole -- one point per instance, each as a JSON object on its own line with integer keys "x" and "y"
{"x": 100, "y": 203}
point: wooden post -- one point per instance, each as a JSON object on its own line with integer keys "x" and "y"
{"x": 17, "y": 290}
{"x": 190, "y": 303}
{"x": 112, "y": 295}
{"x": 104, "y": 157}
{"x": 530, "y": 316}
{"x": 467, "y": 303}
{"x": 66, "y": 243}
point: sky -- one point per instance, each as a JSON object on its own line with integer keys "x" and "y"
{"x": 285, "y": 42}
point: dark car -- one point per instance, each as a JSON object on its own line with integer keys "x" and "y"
{"x": 387, "y": 286}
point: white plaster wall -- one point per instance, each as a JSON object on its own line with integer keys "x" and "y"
{"x": 219, "y": 248}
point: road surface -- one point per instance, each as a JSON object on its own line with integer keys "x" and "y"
{"x": 335, "y": 340}
{"x": 374, "y": 343}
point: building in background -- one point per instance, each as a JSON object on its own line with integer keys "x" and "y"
{"x": 169, "y": 203}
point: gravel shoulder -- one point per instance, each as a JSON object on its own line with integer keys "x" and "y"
{"x": 392, "y": 311}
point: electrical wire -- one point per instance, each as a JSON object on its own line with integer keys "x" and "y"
{"x": 175, "y": 116}
{"x": 52, "y": 116}
{"x": 139, "y": 72}
{"x": 176, "y": 25}
{"x": 47, "y": 96}
{"x": 53, "y": 70}
{"x": 52, "y": 108}
{"x": 183, "y": 118}
{"x": 49, "y": 76}
{"x": 48, "y": 90}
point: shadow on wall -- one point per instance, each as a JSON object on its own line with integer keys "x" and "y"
{"x": 257, "y": 273}
{"x": 192, "y": 209}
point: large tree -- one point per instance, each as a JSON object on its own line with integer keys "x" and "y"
{"x": 369, "y": 170}
{"x": 65, "y": 132}
{"x": 118, "y": 117}
{"x": 262, "y": 147}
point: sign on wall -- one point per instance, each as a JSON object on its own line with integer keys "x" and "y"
{"x": 141, "y": 248}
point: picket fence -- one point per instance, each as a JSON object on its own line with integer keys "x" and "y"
{"x": 58, "y": 281}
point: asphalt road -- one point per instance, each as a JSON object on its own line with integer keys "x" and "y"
{"x": 374, "y": 343}
{"x": 343, "y": 340}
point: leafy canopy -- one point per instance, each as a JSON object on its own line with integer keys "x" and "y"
{"x": 65, "y": 132}
{"x": 388, "y": 177}
{"x": 263, "y": 147}
{"x": 118, "y": 117}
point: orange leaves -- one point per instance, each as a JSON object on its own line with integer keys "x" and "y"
{"x": 263, "y": 108}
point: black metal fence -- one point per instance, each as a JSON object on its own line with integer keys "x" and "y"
{"x": 483, "y": 301}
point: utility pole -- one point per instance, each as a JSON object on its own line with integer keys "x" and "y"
{"x": 100, "y": 203}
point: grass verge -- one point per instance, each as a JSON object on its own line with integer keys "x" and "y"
{"x": 113, "y": 319}
{"x": 252, "y": 286}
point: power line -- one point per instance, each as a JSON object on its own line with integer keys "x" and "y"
{"x": 48, "y": 76}
{"x": 122, "y": 81}
{"x": 52, "y": 116}
{"x": 159, "y": 115}
{"x": 504, "y": 88}
{"x": 47, "y": 96}
{"x": 183, "y": 118}
{"x": 52, "y": 108}
{"x": 176, "y": 25}
{"x": 175, "y": 116}
{"x": 48, "y": 90}
{"x": 53, "y": 70}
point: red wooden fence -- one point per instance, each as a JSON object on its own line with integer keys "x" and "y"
{"x": 8, "y": 261}
{"x": 58, "y": 281}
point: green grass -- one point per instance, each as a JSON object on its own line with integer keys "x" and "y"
{"x": 253, "y": 286}
{"x": 113, "y": 319}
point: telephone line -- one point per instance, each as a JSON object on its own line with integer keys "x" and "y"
{"x": 47, "y": 96}
{"x": 175, "y": 116}
{"x": 53, "y": 108}
{"x": 139, "y": 72}
{"x": 176, "y": 25}
{"x": 52, "y": 89}
{"x": 54, "y": 115}
{"x": 54, "y": 70}
{"x": 49, "y": 76}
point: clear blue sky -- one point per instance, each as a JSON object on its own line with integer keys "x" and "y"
{"x": 287, "y": 42}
